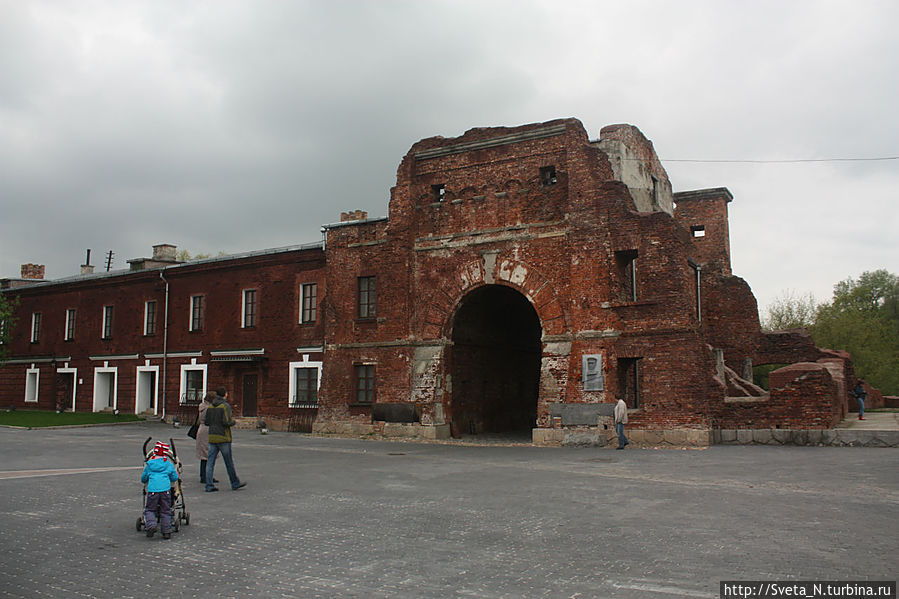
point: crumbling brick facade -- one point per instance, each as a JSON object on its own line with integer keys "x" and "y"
{"x": 523, "y": 279}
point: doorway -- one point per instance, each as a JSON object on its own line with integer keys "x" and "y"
{"x": 146, "y": 390}
{"x": 250, "y": 388}
{"x": 65, "y": 389}
{"x": 495, "y": 363}
{"x": 104, "y": 389}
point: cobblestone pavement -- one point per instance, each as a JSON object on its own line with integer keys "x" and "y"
{"x": 329, "y": 518}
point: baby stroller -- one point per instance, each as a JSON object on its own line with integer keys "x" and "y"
{"x": 179, "y": 514}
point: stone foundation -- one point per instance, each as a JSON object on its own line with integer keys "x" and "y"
{"x": 591, "y": 437}
{"x": 819, "y": 437}
{"x": 403, "y": 430}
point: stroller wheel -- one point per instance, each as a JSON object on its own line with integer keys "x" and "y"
{"x": 140, "y": 524}
{"x": 187, "y": 518}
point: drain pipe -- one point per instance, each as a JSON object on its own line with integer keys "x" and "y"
{"x": 165, "y": 342}
{"x": 698, "y": 269}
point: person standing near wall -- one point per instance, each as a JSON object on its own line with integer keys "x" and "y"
{"x": 218, "y": 419}
{"x": 620, "y": 421}
{"x": 203, "y": 435}
{"x": 859, "y": 394}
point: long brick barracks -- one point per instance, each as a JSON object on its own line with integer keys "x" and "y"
{"x": 523, "y": 280}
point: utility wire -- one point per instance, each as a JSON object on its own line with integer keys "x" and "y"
{"x": 784, "y": 161}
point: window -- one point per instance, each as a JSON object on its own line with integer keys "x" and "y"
{"x": 629, "y": 381}
{"x": 70, "y": 325}
{"x": 305, "y": 386}
{"x": 548, "y": 175}
{"x": 365, "y": 384}
{"x": 308, "y": 302}
{"x": 150, "y": 317}
{"x": 197, "y": 311}
{"x": 698, "y": 230}
{"x": 438, "y": 192}
{"x": 366, "y": 297}
{"x": 32, "y": 378}
{"x": 35, "y": 327}
{"x": 626, "y": 269}
{"x": 106, "y": 331}
{"x": 249, "y": 308}
{"x": 193, "y": 383}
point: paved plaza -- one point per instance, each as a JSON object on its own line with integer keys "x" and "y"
{"x": 334, "y": 518}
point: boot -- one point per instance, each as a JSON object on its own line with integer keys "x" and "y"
{"x": 203, "y": 471}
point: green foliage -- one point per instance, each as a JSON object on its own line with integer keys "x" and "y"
{"x": 7, "y": 323}
{"x": 863, "y": 319}
{"x": 790, "y": 311}
{"x": 185, "y": 256}
{"x": 760, "y": 374}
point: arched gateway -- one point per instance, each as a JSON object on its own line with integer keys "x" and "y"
{"x": 494, "y": 363}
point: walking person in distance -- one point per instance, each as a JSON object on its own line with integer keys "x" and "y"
{"x": 620, "y": 421}
{"x": 218, "y": 419}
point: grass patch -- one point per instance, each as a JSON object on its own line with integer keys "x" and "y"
{"x": 35, "y": 419}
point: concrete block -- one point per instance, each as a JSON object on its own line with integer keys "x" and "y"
{"x": 744, "y": 436}
{"x": 762, "y": 436}
{"x": 675, "y": 437}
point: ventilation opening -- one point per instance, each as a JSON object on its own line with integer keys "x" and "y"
{"x": 548, "y": 175}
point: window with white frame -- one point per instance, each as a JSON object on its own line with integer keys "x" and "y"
{"x": 106, "y": 332}
{"x": 193, "y": 383}
{"x": 35, "y": 327}
{"x": 32, "y": 380}
{"x": 197, "y": 312}
{"x": 150, "y": 317}
{"x": 248, "y": 312}
{"x": 305, "y": 382}
{"x": 70, "y": 324}
{"x": 308, "y": 302}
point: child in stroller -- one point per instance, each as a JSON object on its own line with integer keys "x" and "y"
{"x": 161, "y": 477}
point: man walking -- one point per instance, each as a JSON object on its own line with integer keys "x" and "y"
{"x": 620, "y": 421}
{"x": 859, "y": 394}
{"x": 218, "y": 419}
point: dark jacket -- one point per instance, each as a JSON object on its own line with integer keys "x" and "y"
{"x": 218, "y": 419}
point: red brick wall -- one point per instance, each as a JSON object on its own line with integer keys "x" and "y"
{"x": 708, "y": 209}
{"x": 276, "y": 276}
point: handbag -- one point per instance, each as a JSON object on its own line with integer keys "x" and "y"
{"x": 192, "y": 431}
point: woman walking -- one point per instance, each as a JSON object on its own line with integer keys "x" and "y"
{"x": 203, "y": 435}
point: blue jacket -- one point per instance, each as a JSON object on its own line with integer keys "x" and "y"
{"x": 159, "y": 475}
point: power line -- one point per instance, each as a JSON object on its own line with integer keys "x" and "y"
{"x": 792, "y": 161}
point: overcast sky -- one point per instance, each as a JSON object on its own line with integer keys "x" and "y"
{"x": 224, "y": 126}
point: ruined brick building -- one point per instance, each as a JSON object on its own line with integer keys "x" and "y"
{"x": 523, "y": 279}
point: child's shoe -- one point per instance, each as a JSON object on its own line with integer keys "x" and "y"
{"x": 151, "y": 531}
{"x": 166, "y": 535}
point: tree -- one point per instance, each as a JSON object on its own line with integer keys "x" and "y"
{"x": 7, "y": 322}
{"x": 790, "y": 311}
{"x": 185, "y": 256}
{"x": 863, "y": 319}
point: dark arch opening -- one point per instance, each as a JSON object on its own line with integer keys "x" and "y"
{"x": 495, "y": 361}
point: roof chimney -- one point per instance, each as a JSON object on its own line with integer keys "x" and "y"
{"x": 353, "y": 215}
{"x": 164, "y": 252}
{"x": 33, "y": 271}
{"x": 86, "y": 268}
